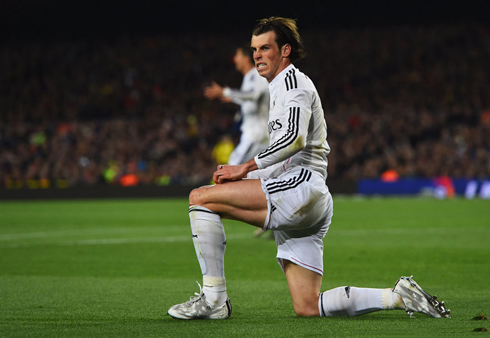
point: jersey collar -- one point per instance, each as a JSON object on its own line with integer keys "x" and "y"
{"x": 280, "y": 77}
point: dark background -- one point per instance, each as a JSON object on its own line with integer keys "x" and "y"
{"x": 63, "y": 81}
{"x": 53, "y": 19}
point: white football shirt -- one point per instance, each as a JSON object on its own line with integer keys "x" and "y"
{"x": 297, "y": 127}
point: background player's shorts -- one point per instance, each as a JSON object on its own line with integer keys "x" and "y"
{"x": 246, "y": 150}
{"x": 300, "y": 213}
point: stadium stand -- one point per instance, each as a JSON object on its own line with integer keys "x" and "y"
{"x": 413, "y": 100}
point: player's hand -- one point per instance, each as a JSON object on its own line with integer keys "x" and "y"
{"x": 214, "y": 91}
{"x": 229, "y": 173}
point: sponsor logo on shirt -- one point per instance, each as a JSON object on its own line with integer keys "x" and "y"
{"x": 274, "y": 125}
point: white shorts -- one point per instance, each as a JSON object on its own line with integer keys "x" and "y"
{"x": 300, "y": 212}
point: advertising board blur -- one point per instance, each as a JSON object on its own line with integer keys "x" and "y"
{"x": 440, "y": 187}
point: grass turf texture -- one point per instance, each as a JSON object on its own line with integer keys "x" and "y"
{"x": 113, "y": 268}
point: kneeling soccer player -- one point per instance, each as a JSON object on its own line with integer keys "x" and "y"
{"x": 283, "y": 189}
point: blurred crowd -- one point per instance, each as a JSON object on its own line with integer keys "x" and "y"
{"x": 409, "y": 100}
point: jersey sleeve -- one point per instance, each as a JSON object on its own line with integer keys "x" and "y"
{"x": 239, "y": 96}
{"x": 297, "y": 111}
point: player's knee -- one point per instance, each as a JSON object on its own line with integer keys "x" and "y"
{"x": 197, "y": 196}
{"x": 306, "y": 310}
{"x": 194, "y": 196}
{"x": 307, "y": 307}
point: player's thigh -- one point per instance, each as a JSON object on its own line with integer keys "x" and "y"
{"x": 242, "y": 200}
{"x": 304, "y": 286}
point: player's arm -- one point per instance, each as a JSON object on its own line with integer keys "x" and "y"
{"x": 240, "y": 96}
{"x": 226, "y": 94}
{"x": 233, "y": 172}
{"x": 214, "y": 91}
{"x": 289, "y": 143}
{"x": 260, "y": 87}
{"x": 293, "y": 138}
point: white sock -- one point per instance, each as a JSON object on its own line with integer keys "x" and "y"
{"x": 209, "y": 240}
{"x": 352, "y": 301}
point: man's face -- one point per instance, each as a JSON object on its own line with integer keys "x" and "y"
{"x": 269, "y": 59}
{"x": 240, "y": 60}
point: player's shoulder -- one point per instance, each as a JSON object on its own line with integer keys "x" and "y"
{"x": 295, "y": 79}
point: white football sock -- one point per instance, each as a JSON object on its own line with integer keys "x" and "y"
{"x": 209, "y": 240}
{"x": 352, "y": 301}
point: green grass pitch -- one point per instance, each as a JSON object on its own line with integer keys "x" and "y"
{"x": 112, "y": 268}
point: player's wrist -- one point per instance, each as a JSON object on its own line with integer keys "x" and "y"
{"x": 250, "y": 166}
{"x": 226, "y": 92}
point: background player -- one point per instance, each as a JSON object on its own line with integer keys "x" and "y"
{"x": 253, "y": 98}
{"x": 285, "y": 192}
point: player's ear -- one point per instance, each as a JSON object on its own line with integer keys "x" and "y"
{"x": 286, "y": 50}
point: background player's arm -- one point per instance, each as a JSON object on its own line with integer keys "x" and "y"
{"x": 214, "y": 91}
{"x": 260, "y": 88}
{"x": 226, "y": 94}
{"x": 240, "y": 96}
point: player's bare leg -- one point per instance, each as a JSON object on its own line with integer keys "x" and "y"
{"x": 241, "y": 200}
{"x": 304, "y": 286}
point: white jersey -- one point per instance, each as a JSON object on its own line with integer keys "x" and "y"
{"x": 253, "y": 98}
{"x": 297, "y": 127}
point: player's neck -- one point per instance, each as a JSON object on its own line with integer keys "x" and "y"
{"x": 285, "y": 63}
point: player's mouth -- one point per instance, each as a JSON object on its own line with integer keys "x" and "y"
{"x": 260, "y": 65}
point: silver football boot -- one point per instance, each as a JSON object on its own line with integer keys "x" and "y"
{"x": 198, "y": 308}
{"x": 417, "y": 300}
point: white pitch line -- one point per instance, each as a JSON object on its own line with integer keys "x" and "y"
{"x": 111, "y": 241}
{"x": 85, "y": 232}
{"x": 53, "y": 241}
